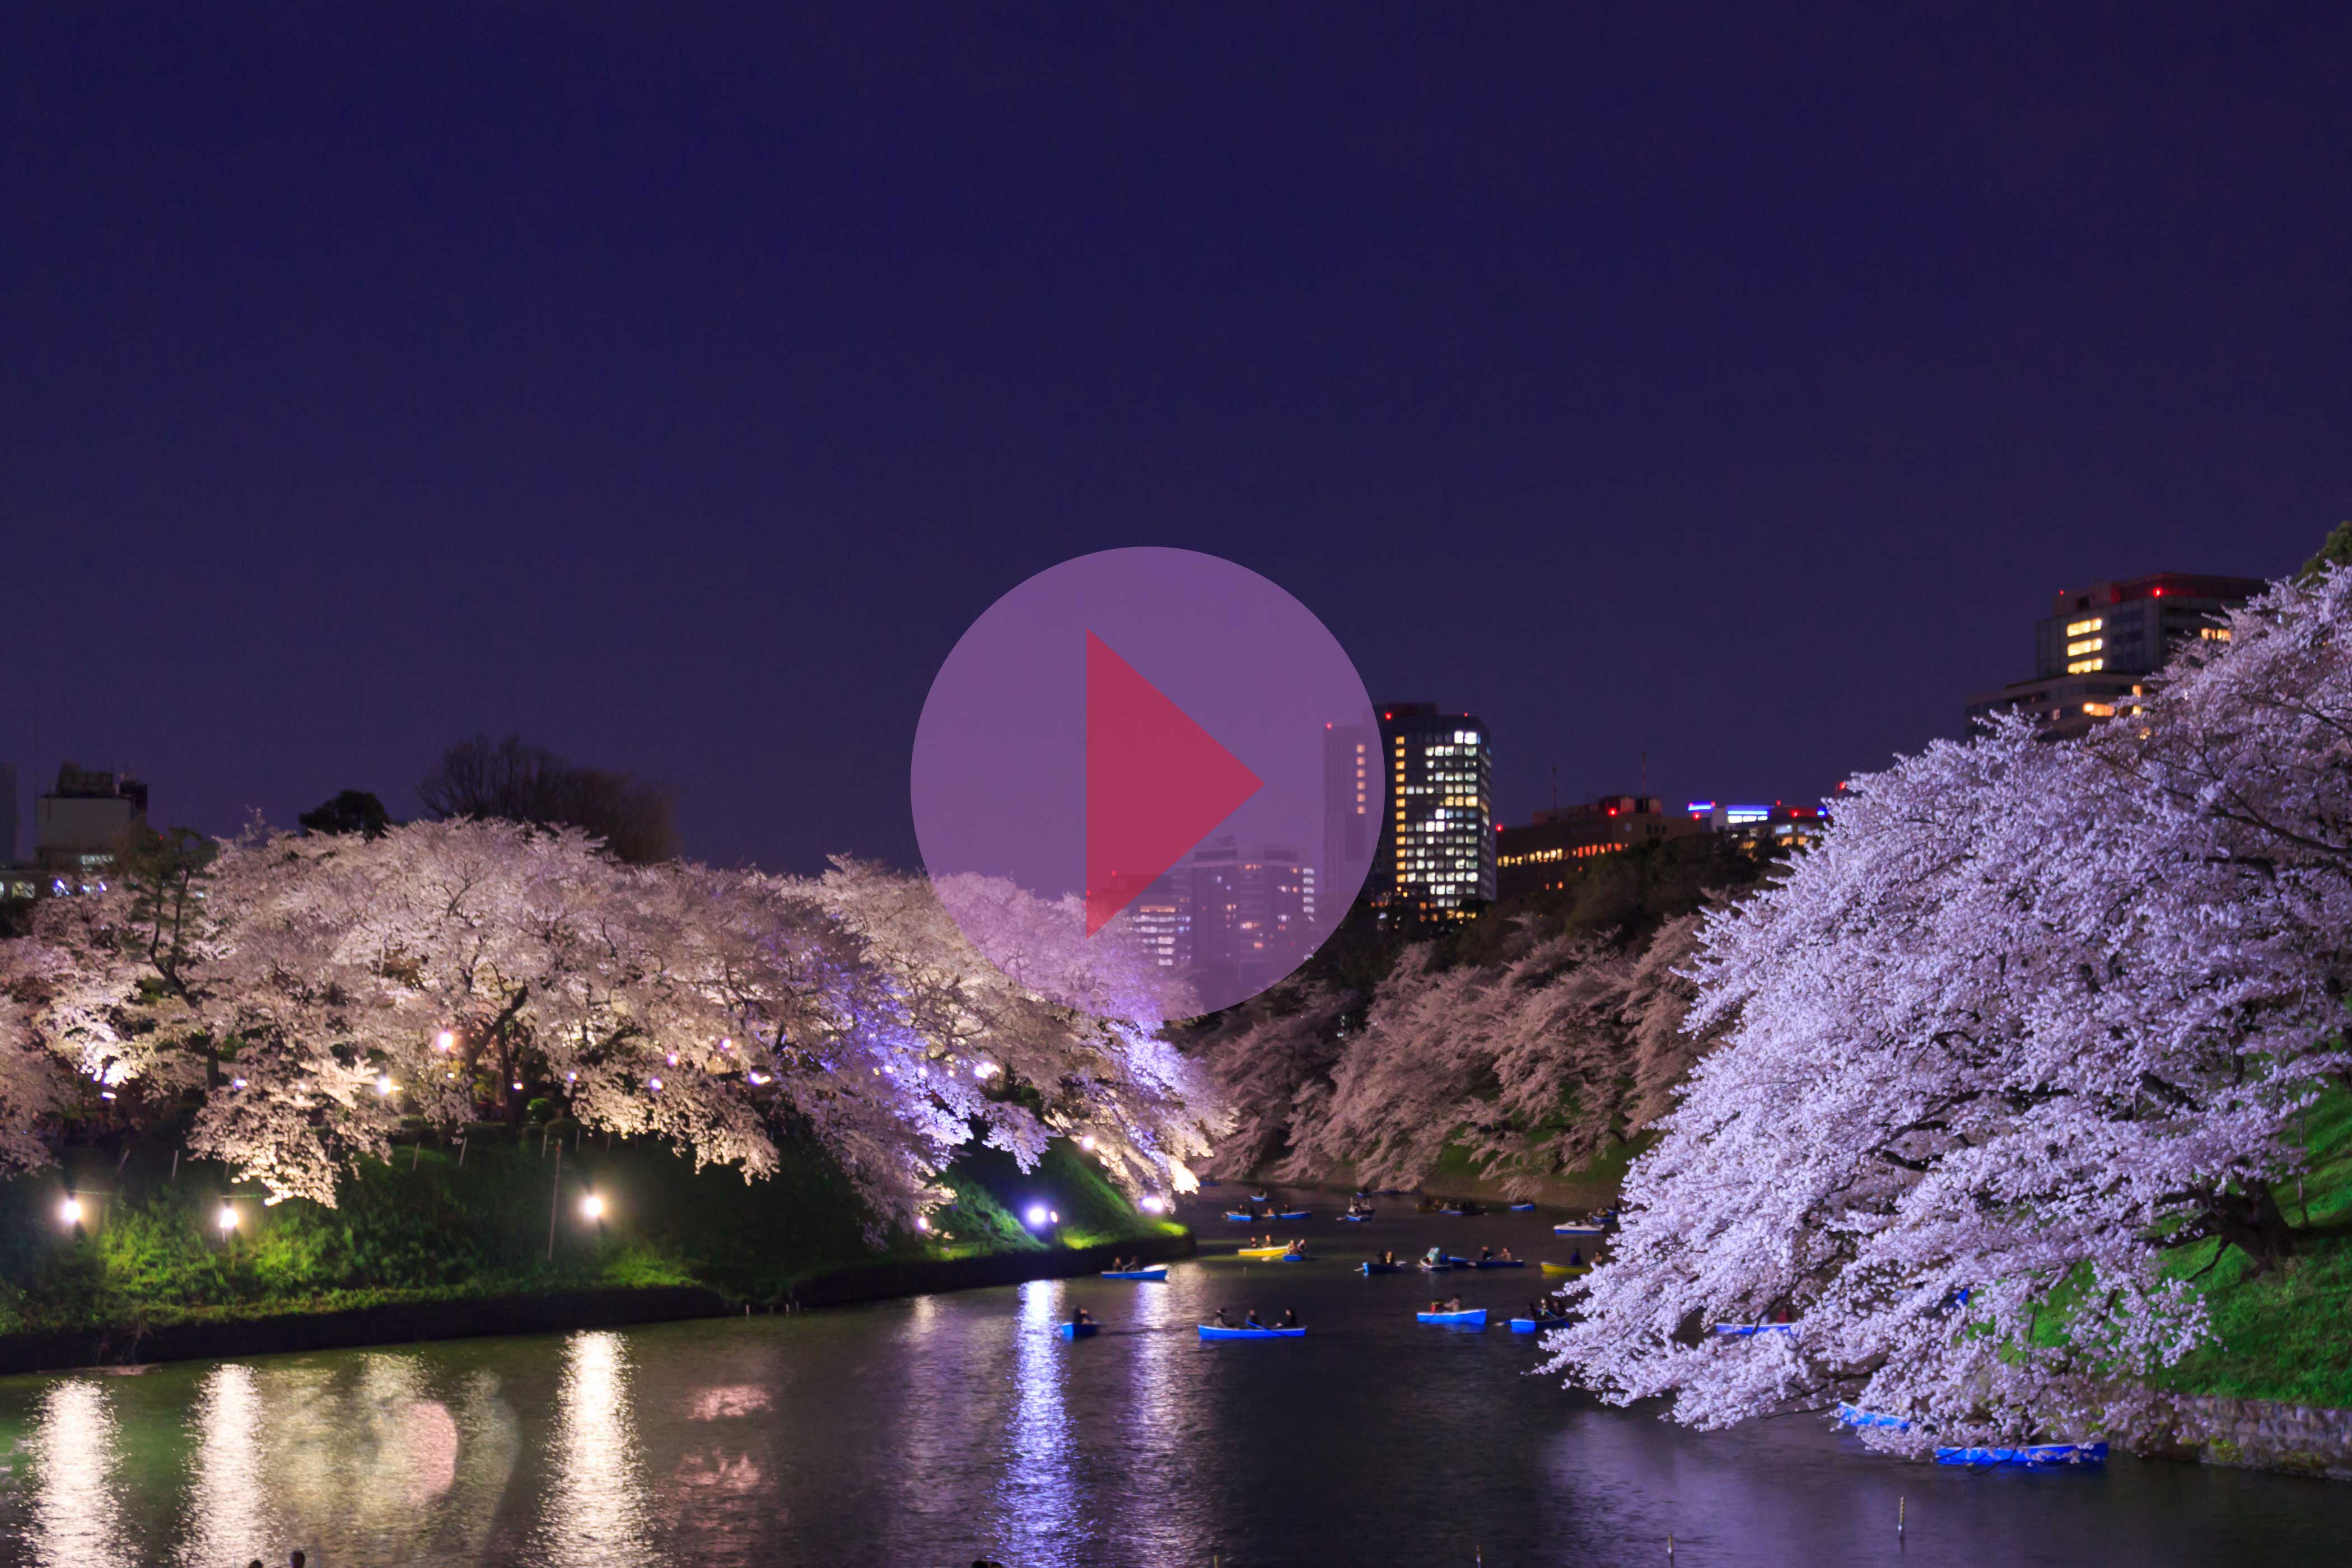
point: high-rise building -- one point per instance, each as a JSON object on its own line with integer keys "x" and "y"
{"x": 1247, "y": 911}
{"x": 2094, "y": 650}
{"x": 1436, "y": 854}
{"x": 75, "y": 827}
{"x": 1355, "y": 800}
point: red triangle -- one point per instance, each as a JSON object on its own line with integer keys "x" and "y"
{"x": 1156, "y": 784}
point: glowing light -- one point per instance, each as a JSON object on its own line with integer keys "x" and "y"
{"x": 226, "y": 1218}
{"x": 592, "y": 1206}
{"x": 981, "y": 1070}
{"x": 445, "y": 1041}
{"x": 922, "y": 1224}
{"x": 239, "y": 1083}
{"x": 726, "y": 1045}
{"x": 1088, "y": 1142}
{"x": 672, "y": 1058}
{"x": 654, "y": 1084}
{"x": 517, "y": 1083}
{"x": 384, "y": 1084}
{"x": 1154, "y": 1204}
{"x": 1038, "y": 1214}
{"x": 757, "y": 1077}
{"x": 105, "y": 1094}
{"x": 69, "y": 1212}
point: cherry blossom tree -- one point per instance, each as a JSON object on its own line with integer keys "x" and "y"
{"x": 2034, "y": 1014}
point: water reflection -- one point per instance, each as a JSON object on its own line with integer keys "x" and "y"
{"x": 1036, "y": 1500}
{"x": 229, "y": 1501}
{"x": 77, "y": 1514}
{"x": 598, "y": 1508}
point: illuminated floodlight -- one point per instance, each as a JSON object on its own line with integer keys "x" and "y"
{"x": 383, "y": 1083}
{"x": 1088, "y": 1142}
{"x": 654, "y": 1084}
{"x": 921, "y": 1223}
{"x": 1037, "y": 1215}
{"x": 69, "y": 1212}
{"x": 445, "y": 1041}
{"x": 1154, "y": 1204}
{"x": 592, "y": 1206}
{"x": 226, "y": 1219}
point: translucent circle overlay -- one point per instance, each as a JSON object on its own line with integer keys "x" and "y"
{"x": 1202, "y": 683}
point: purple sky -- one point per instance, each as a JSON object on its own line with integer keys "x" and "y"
{"x": 1734, "y": 388}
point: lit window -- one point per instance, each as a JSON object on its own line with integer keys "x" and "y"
{"x": 2100, "y": 710}
{"x": 2083, "y": 666}
{"x": 2077, "y": 629}
{"x": 2091, "y": 645}
{"x": 2215, "y": 634}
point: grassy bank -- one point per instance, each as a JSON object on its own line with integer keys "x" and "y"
{"x": 435, "y": 1225}
{"x": 2286, "y": 1334}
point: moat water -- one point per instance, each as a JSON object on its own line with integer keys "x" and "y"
{"x": 941, "y": 1429}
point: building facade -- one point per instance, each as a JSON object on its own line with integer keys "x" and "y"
{"x": 75, "y": 827}
{"x": 1539, "y": 856}
{"x": 2094, "y": 651}
{"x": 1229, "y": 914}
{"x": 1435, "y": 857}
{"x": 1355, "y": 801}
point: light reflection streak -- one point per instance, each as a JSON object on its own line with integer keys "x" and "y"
{"x": 77, "y": 1515}
{"x": 228, "y": 1501}
{"x": 598, "y": 1508}
{"x": 1037, "y": 1503}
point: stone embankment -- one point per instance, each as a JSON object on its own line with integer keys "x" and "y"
{"x": 2253, "y": 1434}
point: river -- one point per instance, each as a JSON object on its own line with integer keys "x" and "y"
{"x": 934, "y": 1430}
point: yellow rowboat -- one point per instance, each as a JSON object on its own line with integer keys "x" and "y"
{"x": 1567, "y": 1269}
{"x": 1262, "y": 1252}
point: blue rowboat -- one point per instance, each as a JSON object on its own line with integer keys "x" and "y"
{"x": 1295, "y": 1258}
{"x": 1240, "y": 1219}
{"x": 1383, "y": 1268}
{"x": 1523, "y": 1208}
{"x": 1533, "y": 1325}
{"x": 1742, "y": 1331}
{"x": 1355, "y": 1218}
{"x": 1258, "y": 1197}
{"x": 1580, "y": 1228}
{"x": 1500, "y": 1263}
{"x": 1079, "y": 1331}
{"x": 1293, "y": 1213}
{"x": 2027, "y": 1455}
{"x": 1211, "y": 1331}
{"x": 1473, "y": 1317}
{"x": 1444, "y": 1264}
{"x": 1850, "y": 1415}
{"x": 1159, "y": 1273}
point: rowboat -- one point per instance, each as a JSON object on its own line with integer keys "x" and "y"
{"x": 1850, "y": 1415}
{"x": 1383, "y": 1268}
{"x": 1293, "y": 1213}
{"x": 1533, "y": 1325}
{"x": 1240, "y": 1219}
{"x": 1457, "y": 1213}
{"x": 1580, "y": 1228}
{"x": 1443, "y": 1264}
{"x": 1077, "y": 1330}
{"x": 2027, "y": 1455}
{"x": 1471, "y": 1318}
{"x": 1500, "y": 1263}
{"x": 1258, "y": 1197}
{"x": 1522, "y": 1208}
{"x": 1159, "y": 1273}
{"x": 1742, "y": 1331}
{"x": 1211, "y": 1331}
{"x": 1355, "y": 1218}
{"x": 1260, "y": 1251}
{"x": 1567, "y": 1269}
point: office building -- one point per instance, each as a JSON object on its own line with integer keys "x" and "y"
{"x": 1436, "y": 852}
{"x": 1246, "y": 911}
{"x": 1540, "y": 855}
{"x": 2094, "y": 650}
{"x": 77, "y": 825}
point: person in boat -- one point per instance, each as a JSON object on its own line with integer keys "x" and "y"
{"x": 1576, "y": 1257}
{"x": 1250, "y": 1320}
{"x": 1223, "y": 1322}
{"x": 1436, "y": 1306}
{"x": 1289, "y": 1318}
{"x": 1452, "y": 1304}
{"x": 1298, "y": 1248}
{"x": 1485, "y": 1254}
{"x": 1504, "y": 1256}
{"x": 1389, "y": 1257}
{"x": 1436, "y": 1256}
{"x": 1082, "y": 1316}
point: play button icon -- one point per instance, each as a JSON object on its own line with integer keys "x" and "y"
{"x": 1147, "y": 783}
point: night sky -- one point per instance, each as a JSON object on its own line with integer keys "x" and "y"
{"x": 1735, "y": 388}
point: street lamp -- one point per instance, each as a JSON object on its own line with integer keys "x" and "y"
{"x": 226, "y": 1218}
{"x": 69, "y": 1212}
{"x": 592, "y": 1206}
{"x": 383, "y": 1083}
{"x": 445, "y": 1041}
